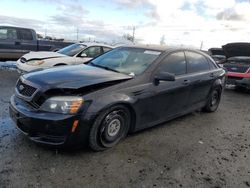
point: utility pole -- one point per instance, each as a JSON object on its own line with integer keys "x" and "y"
{"x": 133, "y": 34}
{"x": 77, "y": 32}
{"x": 201, "y": 45}
{"x": 45, "y": 33}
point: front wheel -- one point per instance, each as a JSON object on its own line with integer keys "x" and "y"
{"x": 109, "y": 128}
{"x": 213, "y": 100}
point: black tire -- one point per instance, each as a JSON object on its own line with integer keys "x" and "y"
{"x": 109, "y": 128}
{"x": 213, "y": 100}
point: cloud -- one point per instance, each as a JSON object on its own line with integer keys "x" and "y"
{"x": 73, "y": 9}
{"x": 239, "y": 12}
{"x": 29, "y": 23}
{"x": 152, "y": 14}
{"x": 180, "y": 21}
{"x": 131, "y": 3}
{"x": 230, "y": 14}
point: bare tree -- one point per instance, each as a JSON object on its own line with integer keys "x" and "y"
{"x": 128, "y": 37}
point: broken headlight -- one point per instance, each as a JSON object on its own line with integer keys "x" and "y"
{"x": 62, "y": 104}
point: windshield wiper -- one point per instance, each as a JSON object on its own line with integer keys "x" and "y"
{"x": 104, "y": 67}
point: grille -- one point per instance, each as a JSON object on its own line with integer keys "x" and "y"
{"x": 23, "y": 60}
{"x": 235, "y": 68}
{"x": 24, "y": 89}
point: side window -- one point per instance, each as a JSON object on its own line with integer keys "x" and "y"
{"x": 196, "y": 62}
{"x": 106, "y": 49}
{"x": 92, "y": 51}
{"x": 8, "y": 33}
{"x": 211, "y": 64}
{"x": 25, "y": 34}
{"x": 174, "y": 63}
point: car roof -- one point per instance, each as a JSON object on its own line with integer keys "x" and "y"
{"x": 88, "y": 44}
{"x": 163, "y": 48}
{"x": 14, "y": 27}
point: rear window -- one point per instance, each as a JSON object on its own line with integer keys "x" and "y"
{"x": 106, "y": 49}
{"x": 196, "y": 62}
{"x": 25, "y": 34}
{"x": 8, "y": 33}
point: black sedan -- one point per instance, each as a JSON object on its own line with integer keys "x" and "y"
{"x": 123, "y": 91}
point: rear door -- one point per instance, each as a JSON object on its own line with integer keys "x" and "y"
{"x": 201, "y": 77}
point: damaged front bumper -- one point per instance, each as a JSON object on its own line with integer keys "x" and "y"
{"x": 43, "y": 127}
{"x": 244, "y": 83}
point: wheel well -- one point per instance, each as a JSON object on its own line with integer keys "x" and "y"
{"x": 133, "y": 116}
{"x": 132, "y": 113}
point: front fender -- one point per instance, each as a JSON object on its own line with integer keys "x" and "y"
{"x": 104, "y": 102}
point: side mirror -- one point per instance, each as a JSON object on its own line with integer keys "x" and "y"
{"x": 164, "y": 76}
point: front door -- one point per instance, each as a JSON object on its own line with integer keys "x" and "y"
{"x": 9, "y": 43}
{"x": 168, "y": 98}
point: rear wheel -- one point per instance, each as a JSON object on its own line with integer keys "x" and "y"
{"x": 213, "y": 100}
{"x": 109, "y": 128}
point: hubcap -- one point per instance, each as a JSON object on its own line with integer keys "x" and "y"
{"x": 114, "y": 127}
{"x": 214, "y": 99}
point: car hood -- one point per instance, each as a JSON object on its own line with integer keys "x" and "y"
{"x": 216, "y": 51}
{"x": 236, "y": 49}
{"x": 73, "y": 77}
{"x": 42, "y": 55}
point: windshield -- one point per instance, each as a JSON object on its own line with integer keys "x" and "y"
{"x": 239, "y": 60}
{"x": 72, "y": 50}
{"x": 131, "y": 61}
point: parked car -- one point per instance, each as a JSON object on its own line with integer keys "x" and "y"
{"x": 217, "y": 54}
{"x": 17, "y": 41}
{"x": 124, "y": 90}
{"x": 71, "y": 55}
{"x": 237, "y": 64}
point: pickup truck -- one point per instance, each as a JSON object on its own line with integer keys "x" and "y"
{"x": 16, "y": 41}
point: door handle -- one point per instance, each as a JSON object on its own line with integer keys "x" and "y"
{"x": 17, "y": 43}
{"x": 212, "y": 75}
{"x": 186, "y": 82}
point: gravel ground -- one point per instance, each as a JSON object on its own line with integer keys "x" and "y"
{"x": 197, "y": 150}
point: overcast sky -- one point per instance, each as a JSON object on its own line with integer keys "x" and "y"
{"x": 181, "y": 22}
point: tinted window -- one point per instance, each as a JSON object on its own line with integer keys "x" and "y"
{"x": 92, "y": 51}
{"x": 196, "y": 62}
{"x": 211, "y": 64}
{"x": 174, "y": 63}
{"x": 8, "y": 33}
{"x": 25, "y": 34}
{"x": 106, "y": 49}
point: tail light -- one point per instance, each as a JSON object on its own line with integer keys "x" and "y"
{"x": 248, "y": 71}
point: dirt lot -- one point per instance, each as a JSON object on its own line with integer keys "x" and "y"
{"x": 198, "y": 150}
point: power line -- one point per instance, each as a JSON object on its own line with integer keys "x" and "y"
{"x": 133, "y": 34}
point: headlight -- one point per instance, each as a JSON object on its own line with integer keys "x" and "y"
{"x": 35, "y": 62}
{"x": 62, "y": 104}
